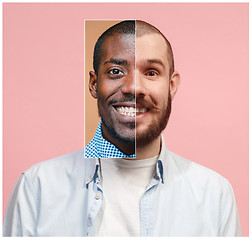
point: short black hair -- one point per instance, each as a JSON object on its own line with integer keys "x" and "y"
{"x": 124, "y": 27}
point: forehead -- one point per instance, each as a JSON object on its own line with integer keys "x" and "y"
{"x": 119, "y": 45}
{"x": 151, "y": 46}
{"x": 145, "y": 47}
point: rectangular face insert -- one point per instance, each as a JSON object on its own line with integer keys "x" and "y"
{"x": 109, "y": 71}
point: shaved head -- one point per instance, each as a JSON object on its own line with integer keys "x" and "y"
{"x": 138, "y": 27}
{"x": 144, "y": 28}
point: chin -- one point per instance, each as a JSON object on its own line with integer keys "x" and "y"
{"x": 126, "y": 139}
{"x": 124, "y": 135}
{"x": 148, "y": 137}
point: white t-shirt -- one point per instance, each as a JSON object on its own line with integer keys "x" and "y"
{"x": 123, "y": 183}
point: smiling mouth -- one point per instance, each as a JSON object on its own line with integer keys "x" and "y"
{"x": 130, "y": 111}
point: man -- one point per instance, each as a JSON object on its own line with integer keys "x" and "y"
{"x": 129, "y": 184}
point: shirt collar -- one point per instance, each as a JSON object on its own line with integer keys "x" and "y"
{"x": 106, "y": 149}
{"x": 161, "y": 166}
{"x": 162, "y": 163}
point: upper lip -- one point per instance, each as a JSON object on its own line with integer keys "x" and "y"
{"x": 141, "y": 106}
{"x": 125, "y": 104}
{"x": 131, "y": 104}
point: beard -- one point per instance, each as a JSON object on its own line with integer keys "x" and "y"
{"x": 110, "y": 126}
{"x": 121, "y": 137}
{"x": 156, "y": 127}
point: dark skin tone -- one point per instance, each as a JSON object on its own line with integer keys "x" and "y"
{"x": 112, "y": 87}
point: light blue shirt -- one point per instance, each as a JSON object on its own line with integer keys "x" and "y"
{"x": 101, "y": 148}
{"x": 62, "y": 196}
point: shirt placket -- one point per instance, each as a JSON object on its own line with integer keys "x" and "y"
{"x": 147, "y": 202}
{"x": 146, "y": 208}
{"x": 96, "y": 198}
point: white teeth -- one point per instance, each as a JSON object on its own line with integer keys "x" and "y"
{"x": 130, "y": 111}
{"x": 141, "y": 110}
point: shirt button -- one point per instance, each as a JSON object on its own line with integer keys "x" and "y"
{"x": 97, "y": 196}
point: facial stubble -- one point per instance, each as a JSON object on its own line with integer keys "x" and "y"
{"x": 152, "y": 132}
{"x": 156, "y": 127}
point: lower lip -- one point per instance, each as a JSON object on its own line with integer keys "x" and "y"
{"x": 141, "y": 115}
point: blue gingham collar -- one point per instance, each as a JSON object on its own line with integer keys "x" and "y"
{"x": 101, "y": 148}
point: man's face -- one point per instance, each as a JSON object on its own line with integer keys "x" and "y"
{"x": 152, "y": 87}
{"x": 133, "y": 88}
{"x": 116, "y": 88}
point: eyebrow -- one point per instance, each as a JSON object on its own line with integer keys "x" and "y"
{"x": 117, "y": 61}
{"x": 155, "y": 61}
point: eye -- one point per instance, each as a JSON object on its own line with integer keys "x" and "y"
{"x": 115, "y": 72}
{"x": 151, "y": 73}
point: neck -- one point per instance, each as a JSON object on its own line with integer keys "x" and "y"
{"x": 150, "y": 150}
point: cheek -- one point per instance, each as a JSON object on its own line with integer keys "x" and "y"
{"x": 107, "y": 89}
{"x": 103, "y": 90}
{"x": 159, "y": 94}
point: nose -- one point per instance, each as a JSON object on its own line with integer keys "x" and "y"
{"x": 140, "y": 89}
{"x": 134, "y": 84}
{"x": 129, "y": 84}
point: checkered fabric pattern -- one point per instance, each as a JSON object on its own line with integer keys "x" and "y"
{"x": 101, "y": 148}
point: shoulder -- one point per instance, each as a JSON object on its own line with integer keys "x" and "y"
{"x": 70, "y": 163}
{"x": 196, "y": 175}
{"x": 200, "y": 193}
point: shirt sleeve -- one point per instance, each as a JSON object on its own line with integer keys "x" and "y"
{"x": 22, "y": 211}
{"x": 230, "y": 222}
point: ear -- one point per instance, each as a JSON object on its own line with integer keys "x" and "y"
{"x": 174, "y": 83}
{"x": 93, "y": 84}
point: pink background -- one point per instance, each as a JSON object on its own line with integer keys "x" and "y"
{"x": 44, "y": 81}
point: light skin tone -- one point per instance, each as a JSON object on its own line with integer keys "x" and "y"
{"x": 143, "y": 73}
